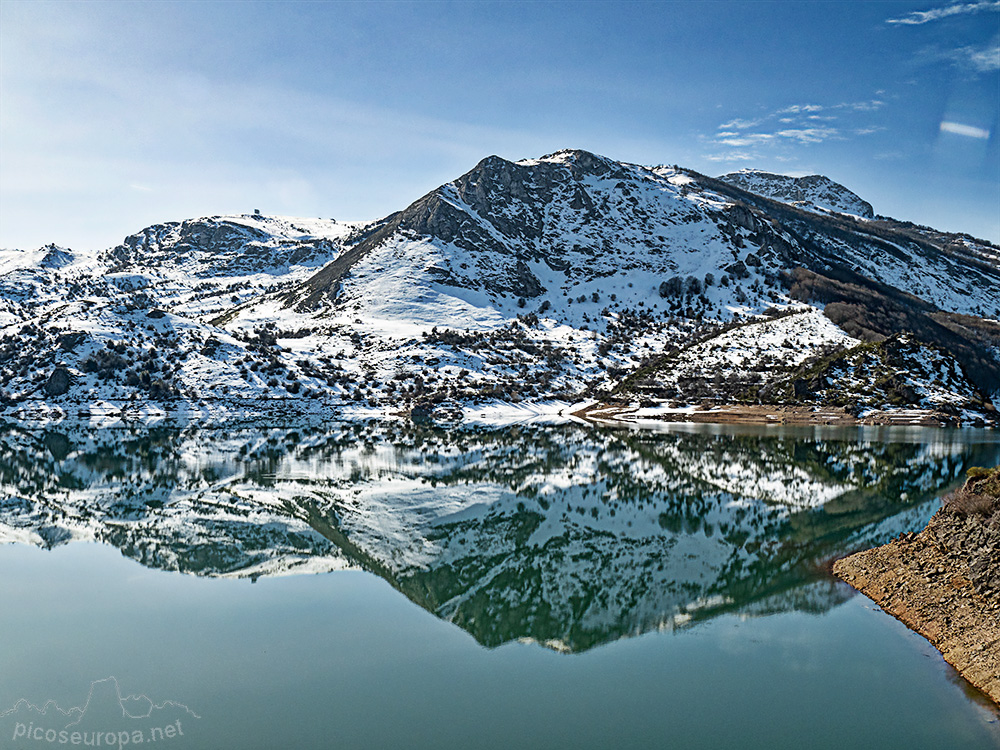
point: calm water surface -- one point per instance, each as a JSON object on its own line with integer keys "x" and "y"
{"x": 383, "y": 586}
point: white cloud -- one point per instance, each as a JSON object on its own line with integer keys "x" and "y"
{"x": 795, "y": 114}
{"x": 750, "y": 139}
{"x": 926, "y": 16}
{"x": 793, "y": 125}
{"x": 795, "y": 135}
{"x": 971, "y": 59}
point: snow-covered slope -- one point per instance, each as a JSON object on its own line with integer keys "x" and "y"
{"x": 545, "y": 278}
{"x": 203, "y": 266}
{"x": 566, "y": 225}
{"x": 813, "y": 192}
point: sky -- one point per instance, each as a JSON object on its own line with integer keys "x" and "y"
{"x": 118, "y": 115}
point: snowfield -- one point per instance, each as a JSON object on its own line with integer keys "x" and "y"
{"x": 520, "y": 283}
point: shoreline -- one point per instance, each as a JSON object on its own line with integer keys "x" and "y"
{"x": 767, "y": 414}
{"x": 941, "y": 583}
{"x": 488, "y": 413}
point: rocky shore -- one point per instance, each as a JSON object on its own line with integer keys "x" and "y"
{"x": 944, "y": 582}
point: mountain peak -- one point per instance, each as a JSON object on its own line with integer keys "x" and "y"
{"x": 577, "y": 159}
{"x": 56, "y": 256}
{"x": 537, "y": 279}
{"x": 812, "y": 192}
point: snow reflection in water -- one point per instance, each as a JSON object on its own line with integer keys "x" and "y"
{"x": 561, "y": 535}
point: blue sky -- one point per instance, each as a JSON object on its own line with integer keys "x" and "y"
{"x": 114, "y": 116}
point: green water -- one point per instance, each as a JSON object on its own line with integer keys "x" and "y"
{"x": 366, "y": 586}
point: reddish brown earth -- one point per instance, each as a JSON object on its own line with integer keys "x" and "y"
{"x": 944, "y": 582}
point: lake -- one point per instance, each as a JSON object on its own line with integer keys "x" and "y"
{"x": 384, "y": 585}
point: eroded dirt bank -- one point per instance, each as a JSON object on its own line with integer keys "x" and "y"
{"x": 944, "y": 582}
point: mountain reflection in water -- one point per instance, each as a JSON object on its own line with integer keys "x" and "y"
{"x": 564, "y": 535}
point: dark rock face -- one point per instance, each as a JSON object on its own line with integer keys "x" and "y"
{"x": 185, "y": 238}
{"x": 737, "y": 269}
{"x": 526, "y": 284}
{"x": 741, "y": 216}
{"x": 512, "y": 210}
{"x": 58, "y": 382}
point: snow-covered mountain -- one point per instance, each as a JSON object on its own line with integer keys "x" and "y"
{"x": 813, "y": 192}
{"x": 558, "y": 277}
{"x": 566, "y": 536}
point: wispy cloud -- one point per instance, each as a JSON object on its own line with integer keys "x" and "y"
{"x": 808, "y": 135}
{"x": 982, "y": 60}
{"x": 748, "y": 139}
{"x": 972, "y": 58}
{"x": 739, "y": 124}
{"x": 798, "y": 108}
{"x": 936, "y": 14}
{"x": 743, "y": 156}
{"x": 790, "y": 135}
{"x": 868, "y": 106}
{"x": 790, "y": 126}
